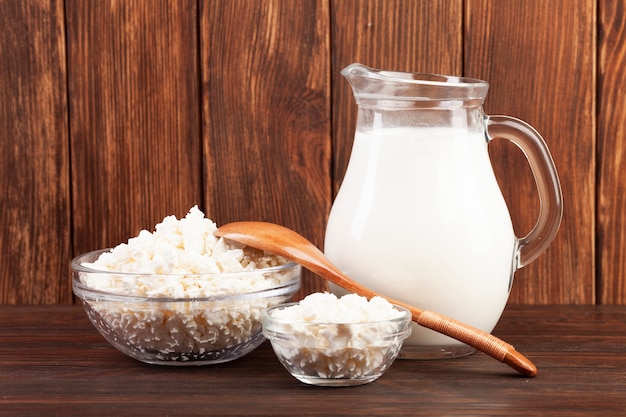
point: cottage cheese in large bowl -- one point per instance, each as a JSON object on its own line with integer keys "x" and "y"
{"x": 180, "y": 295}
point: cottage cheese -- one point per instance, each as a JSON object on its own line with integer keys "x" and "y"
{"x": 176, "y": 262}
{"x": 328, "y": 337}
{"x": 177, "y": 251}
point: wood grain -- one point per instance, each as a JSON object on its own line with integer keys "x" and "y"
{"x": 117, "y": 113}
{"x": 611, "y": 200}
{"x": 55, "y": 363}
{"x": 544, "y": 76}
{"x": 135, "y": 119}
{"x": 34, "y": 163}
{"x": 266, "y": 114}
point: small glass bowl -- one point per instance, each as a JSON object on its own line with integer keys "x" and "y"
{"x": 181, "y": 331}
{"x": 336, "y": 354}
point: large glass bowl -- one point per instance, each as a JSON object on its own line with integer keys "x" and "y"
{"x": 181, "y": 331}
{"x": 336, "y": 354}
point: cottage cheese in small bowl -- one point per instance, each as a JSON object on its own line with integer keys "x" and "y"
{"x": 330, "y": 341}
{"x": 180, "y": 295}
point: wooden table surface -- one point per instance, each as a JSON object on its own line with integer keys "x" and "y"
{"x": 53, "y": 362}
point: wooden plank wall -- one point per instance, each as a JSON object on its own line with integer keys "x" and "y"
{"x": 114, "y": 114}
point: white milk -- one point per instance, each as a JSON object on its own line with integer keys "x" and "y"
{"x": 420, "y": 218}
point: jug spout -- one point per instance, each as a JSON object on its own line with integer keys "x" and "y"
{"x": 374, "y": 84}
{"x": 357, "y": 74}
{"x": 369, "y": 82}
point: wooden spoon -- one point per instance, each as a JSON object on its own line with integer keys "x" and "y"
{"x": 285, "y": 242}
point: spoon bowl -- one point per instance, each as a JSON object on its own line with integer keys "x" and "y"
{"x": 288, "y": 243}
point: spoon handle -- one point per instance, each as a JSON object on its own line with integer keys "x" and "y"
{"x": 463, "y": 332}
{"x": 483, "y": 341}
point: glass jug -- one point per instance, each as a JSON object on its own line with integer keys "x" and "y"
{"x": 419, "y": 216}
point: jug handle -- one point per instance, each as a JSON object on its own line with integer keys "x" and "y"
{"x": 546, "y": 178}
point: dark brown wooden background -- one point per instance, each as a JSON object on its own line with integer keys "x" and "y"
{"x": 114, "y": 114}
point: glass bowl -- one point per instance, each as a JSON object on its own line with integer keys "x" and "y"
{"x": 336, "y": 354}
{"x": 181, "y": 331}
